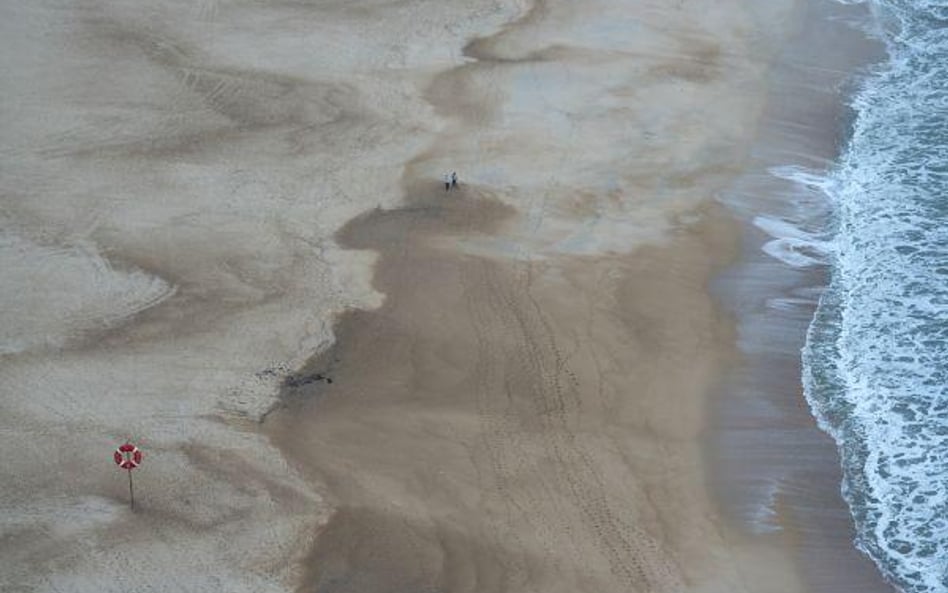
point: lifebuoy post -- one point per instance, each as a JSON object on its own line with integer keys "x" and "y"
{"x": 128, "y": 457}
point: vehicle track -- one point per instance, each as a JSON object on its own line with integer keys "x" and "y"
{"x": 528, "y": 395}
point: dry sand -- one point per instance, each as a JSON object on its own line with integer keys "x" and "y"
{"x": 520, "y": 389}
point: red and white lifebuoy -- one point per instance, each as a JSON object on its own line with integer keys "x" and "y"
{"x": 128, "y": 456}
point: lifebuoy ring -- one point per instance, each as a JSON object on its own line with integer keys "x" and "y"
{"x": 128, "y": 456}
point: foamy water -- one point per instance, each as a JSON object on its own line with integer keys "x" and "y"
{"x": 875, "y": 359}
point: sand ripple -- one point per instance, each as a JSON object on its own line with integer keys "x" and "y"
{"x": 55, "y": 295}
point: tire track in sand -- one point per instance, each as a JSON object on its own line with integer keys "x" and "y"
{"x": 518, "y": 358}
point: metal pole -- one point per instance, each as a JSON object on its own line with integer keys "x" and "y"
{"x": 131, "y": 493}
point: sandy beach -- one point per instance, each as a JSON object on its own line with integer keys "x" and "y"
{"x": 224, "y": 236}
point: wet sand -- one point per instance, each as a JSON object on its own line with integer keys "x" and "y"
{"x": 515, "y": 425}
{"x": 777, "y": 472}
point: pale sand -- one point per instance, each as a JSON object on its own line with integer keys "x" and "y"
{"x": 525, "y": 410}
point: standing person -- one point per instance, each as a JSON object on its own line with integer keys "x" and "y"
{"x": 454, "y": 179}
{"x": 447, "y": 182}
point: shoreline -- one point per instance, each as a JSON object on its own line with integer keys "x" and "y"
{"x": 778, "y": 471}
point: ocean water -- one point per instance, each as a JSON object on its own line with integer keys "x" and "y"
{"x": 876, "y": 357}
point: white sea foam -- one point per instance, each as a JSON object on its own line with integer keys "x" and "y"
{"x": 791, "y": 245}
{"x": 875, "y": 358}
{"x": 798, "y": 240}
